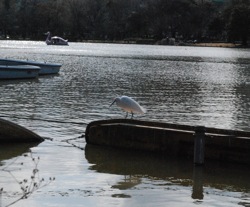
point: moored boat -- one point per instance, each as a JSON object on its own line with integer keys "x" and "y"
{"x": 55, "y": 40}
{"x": 18, "y": 71}
{"x": 45, "y": 68}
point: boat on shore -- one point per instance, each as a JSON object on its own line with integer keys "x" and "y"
{"x": 45, "y": 68}
{"x": 19, "y": 71}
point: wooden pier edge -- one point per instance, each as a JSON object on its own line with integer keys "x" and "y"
{"x": 198, "y": 142}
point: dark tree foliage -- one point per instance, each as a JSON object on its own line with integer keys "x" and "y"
{"x": 113, "y": 20}
{"x": 239, "y": 21}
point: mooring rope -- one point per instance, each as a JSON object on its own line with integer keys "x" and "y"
{"x": 46, "y": 120}
{"x": 74, "y": 139}
{"x": 66, "y": 140}
{"x": 69, "y": 141}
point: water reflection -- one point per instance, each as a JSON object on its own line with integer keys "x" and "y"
{"x": 8, "y": 151}
{"x": 13, "y": 82}
{"x": 20, "y": 173}
{"x": 197, "y": 183}
{"x": 135, "y": 166}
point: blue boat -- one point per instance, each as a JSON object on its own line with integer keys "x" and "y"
{"x": 45, "y": 68}
{"x": 19, "y": 71}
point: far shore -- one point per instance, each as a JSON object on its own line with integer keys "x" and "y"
{"x": 217, "y": 44}
{"x": 154, "y": 42}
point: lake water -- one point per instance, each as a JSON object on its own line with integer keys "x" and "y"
{"x": 185, "y": 85}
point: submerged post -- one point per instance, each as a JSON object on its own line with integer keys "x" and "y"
{"x": 198, "y": 183}
{"x": 199, "y": 145}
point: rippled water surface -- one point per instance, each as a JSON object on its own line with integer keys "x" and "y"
{"x": 186, "y": 85}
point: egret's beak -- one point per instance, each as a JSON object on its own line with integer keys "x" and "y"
{"x": 112, "y": 103}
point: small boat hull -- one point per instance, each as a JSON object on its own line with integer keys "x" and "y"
{"x": 45, "y": 68}
{"x": 14, "y": 133}
{"x": 48, "y": 68}
{"x": 18, "y": 71}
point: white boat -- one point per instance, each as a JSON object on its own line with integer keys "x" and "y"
{"x": 55, "y": 40}
{"x": 46, "y": 68}
{"x": 18, "y": 71}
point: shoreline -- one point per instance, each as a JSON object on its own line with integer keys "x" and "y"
{"x": 219, "y": 44}
{"x": 153, "y": 42}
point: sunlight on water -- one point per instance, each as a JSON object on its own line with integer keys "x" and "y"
{"x": 185, "y": 85}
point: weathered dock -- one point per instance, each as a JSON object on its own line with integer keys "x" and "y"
{"x": 13, "y": 133}
{"x": 173, "y": 139}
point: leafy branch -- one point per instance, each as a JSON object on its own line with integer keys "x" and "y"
{"x": 29, "y": 185}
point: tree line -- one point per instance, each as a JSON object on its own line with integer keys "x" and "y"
{"x": 115, "y": 20}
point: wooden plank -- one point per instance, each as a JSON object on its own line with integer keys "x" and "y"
{"x": 172, "y": 139}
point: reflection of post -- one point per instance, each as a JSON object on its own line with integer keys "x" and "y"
{"x": 199, "y": 145}
{"x": 198, "y": 183}
{"x": 1, "y": 191}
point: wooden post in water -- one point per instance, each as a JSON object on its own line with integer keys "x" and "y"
{"x": 199, "y": 145}
{"x": 198, "y": 183}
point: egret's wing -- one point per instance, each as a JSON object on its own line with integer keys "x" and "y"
{"x": 130, "y": 105}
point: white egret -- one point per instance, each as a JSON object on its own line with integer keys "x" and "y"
{"x": 129, "y": 105}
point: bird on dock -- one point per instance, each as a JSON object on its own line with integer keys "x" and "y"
{"x": 129, "y": 105}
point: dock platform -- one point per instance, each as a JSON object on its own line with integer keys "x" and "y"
{"x": 171, "y": 139}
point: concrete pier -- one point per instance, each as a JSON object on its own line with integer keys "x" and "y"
{"x": 198, "y": 142}
{"x": 13, "y": 133}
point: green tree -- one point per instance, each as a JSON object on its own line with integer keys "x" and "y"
{"x": 7, "y": 17}
{"x": 239, "y": 21}
{"x": 120, "y": 19}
